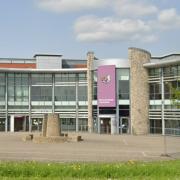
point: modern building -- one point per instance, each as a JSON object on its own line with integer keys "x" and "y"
{"x": 112, "y": 96}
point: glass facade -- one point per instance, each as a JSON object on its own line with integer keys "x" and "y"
{"x": 39, "y": 93}
{"x": 123, "y": 96}
{"x": 18, "y": 87}
{"x": 66, "y": 93}
{"x": 163, "y": 110}
{"x": 41, "y": 87}
{"x": 155, "y": 91}
{"x": 123, "y": 83}
{"x": 2, "y": 87}
{"x": 2, "y": 124}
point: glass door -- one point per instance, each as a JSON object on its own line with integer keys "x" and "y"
{"x": 105, "y": 125}
{"x": 124, "y": 125}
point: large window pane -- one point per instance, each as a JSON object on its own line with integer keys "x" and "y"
{"x": 2, "y": 87}
{"x": 123, "y": 74}
{"x": 65, "y": 93}
{"x": 155, "y": 91}
{"x": 123, "y": 89}
{"x": 65, "y": 77}
{"x": 82, "y": 76}
{"x": 82, "y": 93}
{"x": 40, "y": 79}
{"x": 41, "y": 93}
{"x": 18, "y": 87}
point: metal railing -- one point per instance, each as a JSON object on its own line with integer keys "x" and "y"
{"x": 155, "y": 130}
{"x": 83, "y": 128}
{"x": 172, "y": 131}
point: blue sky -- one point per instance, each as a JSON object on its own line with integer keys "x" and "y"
{"x": 74, "y": 27}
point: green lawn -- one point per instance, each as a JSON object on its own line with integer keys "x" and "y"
{"x": 129, "y": 170}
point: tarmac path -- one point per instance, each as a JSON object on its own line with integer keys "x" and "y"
{"x": 94, "y": 148}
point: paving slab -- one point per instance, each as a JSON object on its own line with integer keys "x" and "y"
{"x": 93, "y": 148}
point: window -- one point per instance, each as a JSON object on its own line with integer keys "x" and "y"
{"x": 68, "y": 124}
{"x": 18, "y": 89}
{"x": 82, "y": 77}
{"x": 124, "y": 89}
{"x": 155, "y": 72}
{"x": 123, "y": 78}
{"x": 82, "y": 93}
{"x": 2, "y": 87}
{"x": 65, "y": 77}
{"x": 155, "y": 91}
{"x": 41, "y": 79}
{"x": 41, "y": 93}
{"x": 65, "y": 93}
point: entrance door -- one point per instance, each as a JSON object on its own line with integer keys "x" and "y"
{"x": 19, "y": 124}
{"x": 37, "y": 124}
{"x": 105, "y": 125}
{"x": 2, "y": 124}
{"x": 124, "y": 125}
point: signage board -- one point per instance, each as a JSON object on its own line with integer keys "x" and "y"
{"x": 106, "y": 86}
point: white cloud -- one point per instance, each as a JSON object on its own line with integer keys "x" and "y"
{"x": 131, "y": 20}
{"x": 169, "y": 19}
{"x": 134, "y": 8}
{"x": 150, "y": 38}
{"x": 121, "y": 7}
{"x": 70, "y": 5}
{"x": 93, "y": 29}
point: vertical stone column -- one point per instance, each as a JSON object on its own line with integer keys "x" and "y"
{"x": 139, "y": 90}
{"x": 113, "y": 125}
{"x": 53, "y": 125}
{"x": 12, "y": 123}
{"x": 90, "y": 58}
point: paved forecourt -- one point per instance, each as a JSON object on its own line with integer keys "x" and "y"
{"x": 94, "y": 148}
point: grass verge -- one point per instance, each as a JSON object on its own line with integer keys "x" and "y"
{"x": 128, "y": 170}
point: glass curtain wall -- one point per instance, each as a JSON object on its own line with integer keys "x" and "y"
{"x": 2, "y": 100}
{"x": 171, "y": 112}
{"x": 66, "y": 85}
{"x": 41, "y": 92}
{"x": 2, "y": 124}
{"x": 82, "y": 88}
{"x": 123, "y": 82}
{"x": 18, "y": 92}
{"x": 82, "y": 102}
{"x": 65, "y": 89}
{"x": 41, "y": 89}
{"x": 155, "y": 91}
{"x": 2, "y": 90}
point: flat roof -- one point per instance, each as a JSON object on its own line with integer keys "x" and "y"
{"x": 43, "y": 70}
{"x": 161, "y": 63}
{"x": 51, "y": 55}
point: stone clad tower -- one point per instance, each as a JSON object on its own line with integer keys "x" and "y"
{"x": 139, "y": 90}
{"x": 90, "y": 59}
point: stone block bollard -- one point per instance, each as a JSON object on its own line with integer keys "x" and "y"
{"x": 53, "y": 125}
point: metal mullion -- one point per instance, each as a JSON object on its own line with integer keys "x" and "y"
{"x": 29, "y": 94}
{"x": 77, "y": 104}
{"x": 6, "y": 102}
{"x": 53, "y": 93}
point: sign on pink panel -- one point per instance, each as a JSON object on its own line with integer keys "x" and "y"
{"x": 106, "y": 86}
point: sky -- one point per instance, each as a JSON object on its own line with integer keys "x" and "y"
{"x": 74, "y": 27}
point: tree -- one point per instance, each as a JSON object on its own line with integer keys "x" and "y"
{"x": 175, "y": 97}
